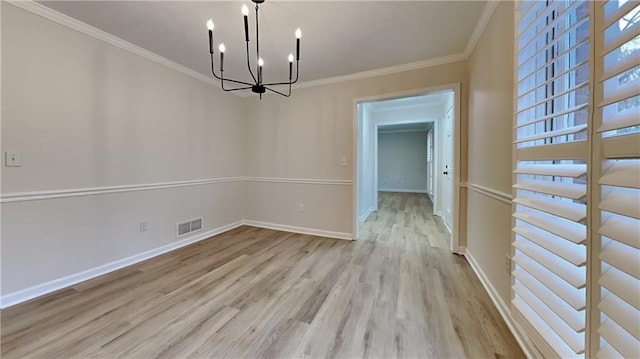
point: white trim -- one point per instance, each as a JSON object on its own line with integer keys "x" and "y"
{"x": 301, "y": 230}
{"x": 489, "y": 192}
{"x": 402, "y": 190}
{"x": 400, "y": 131}
{"x": 366, "y": 214}
{"x": 75, "y": 24}
{"x": 60, "y": 283}
{"x": 481, "y": 25}
{"x": 92, "y": 191}
{"x": 456, "y": 89}
{"x": 385, "y": 71}
{"x": 300, "y": 181}
{"x": 520, "y": 336}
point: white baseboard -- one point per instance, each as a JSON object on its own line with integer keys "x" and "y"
{"x": 302, "y": 230}
{"x": 402, "y": 190}
{"x": 60, "y": 283}
{"x": 522, "y": 339}
{"x": 366, "y": 215}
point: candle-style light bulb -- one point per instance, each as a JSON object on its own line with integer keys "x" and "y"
{"x": 290, "y": 66}
{"x": 210, "y": 27}
{"x": 260, "y": 64}
{"x": 298, "y": 36}
{"x": 221, "y": 48}
{"x": 245, "y": 12}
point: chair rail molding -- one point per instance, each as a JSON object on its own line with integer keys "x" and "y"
{"x": 489, "y": 192}
{"x": 93, "y": 191}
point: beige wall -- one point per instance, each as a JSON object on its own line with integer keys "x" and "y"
{"x": 306, "y": 136}
{"x": 490, "y": 118}
{"x": 86, "y": 114}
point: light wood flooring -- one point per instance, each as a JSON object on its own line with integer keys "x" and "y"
{"x": 397, "y": 292}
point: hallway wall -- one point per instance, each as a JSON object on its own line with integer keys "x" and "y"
{"x": 402, "y": 161}
{"x": 490, "y": 122}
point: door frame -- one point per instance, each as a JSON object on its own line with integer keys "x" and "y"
{"x": 457, "y": 153}
{"x": 443, "y": 134}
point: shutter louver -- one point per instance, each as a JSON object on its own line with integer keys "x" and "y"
{"x": 618, "y": 210}
{"x": 553, "y": 84}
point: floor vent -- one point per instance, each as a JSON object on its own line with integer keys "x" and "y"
{"x": 187, "y": 227}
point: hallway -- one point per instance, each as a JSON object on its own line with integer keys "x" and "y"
{"x": 441, "y": 305}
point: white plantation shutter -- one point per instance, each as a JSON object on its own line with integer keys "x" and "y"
{"x": 618, "y": 165}
{"x": 552, "y": 92}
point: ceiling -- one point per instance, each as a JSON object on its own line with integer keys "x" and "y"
{"x": 338, "y": 37}
{"x": 420, "y": 126}
{"x": 424, "y": 103}
{"x": 427, "y": 100}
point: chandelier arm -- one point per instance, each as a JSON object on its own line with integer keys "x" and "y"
{"x": 277, "y": 83}
{"x": 288, "y": 82}
{"x": 278, "y": 92}
{"x": 249, "y": 65}
{"x": 297, "y": 71}
{"x": 237, "y": 89}
{"x": 235, "y": 81}
{"x": 221, "y": 78}
{"x": 213, "y": 71}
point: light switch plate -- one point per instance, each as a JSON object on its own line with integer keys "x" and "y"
{"x": 12, "y": 159}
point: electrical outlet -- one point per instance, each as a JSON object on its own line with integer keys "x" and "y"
{"x": 143, "y": 226}
{"x": 12, "y": 159}
{"x": 301, "y": 208}
{"x": 507, "y": 264}
{"x": 343, "y": 162}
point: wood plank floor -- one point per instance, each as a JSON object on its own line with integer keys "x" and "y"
{"x": 251, "y": 292}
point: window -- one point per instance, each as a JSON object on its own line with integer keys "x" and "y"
{"x": 550, "y": 204}
{"x": 577, "y": 177}
{"x": 617, "y": 164}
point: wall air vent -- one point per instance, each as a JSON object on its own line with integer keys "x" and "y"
{"x": 183, "y": 228}
{"x": 186, "y": 227}
{"x": 196, "y": 224}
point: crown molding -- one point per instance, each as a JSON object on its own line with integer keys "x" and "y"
{"x": 75, "y": 24}
{"x": 481, "y": 25}
{"x": 384, "y": 71}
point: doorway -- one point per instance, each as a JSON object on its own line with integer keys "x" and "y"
{"x": 431, "y": 116}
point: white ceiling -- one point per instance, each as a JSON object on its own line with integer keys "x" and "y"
{"x": 419, "y": 126}
{"x": 428, "y": 100}
{"x": 427, "y": 103}
{"x": 338, "y": 37}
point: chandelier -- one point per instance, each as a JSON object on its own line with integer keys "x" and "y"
{"x": 258, "y": 86}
